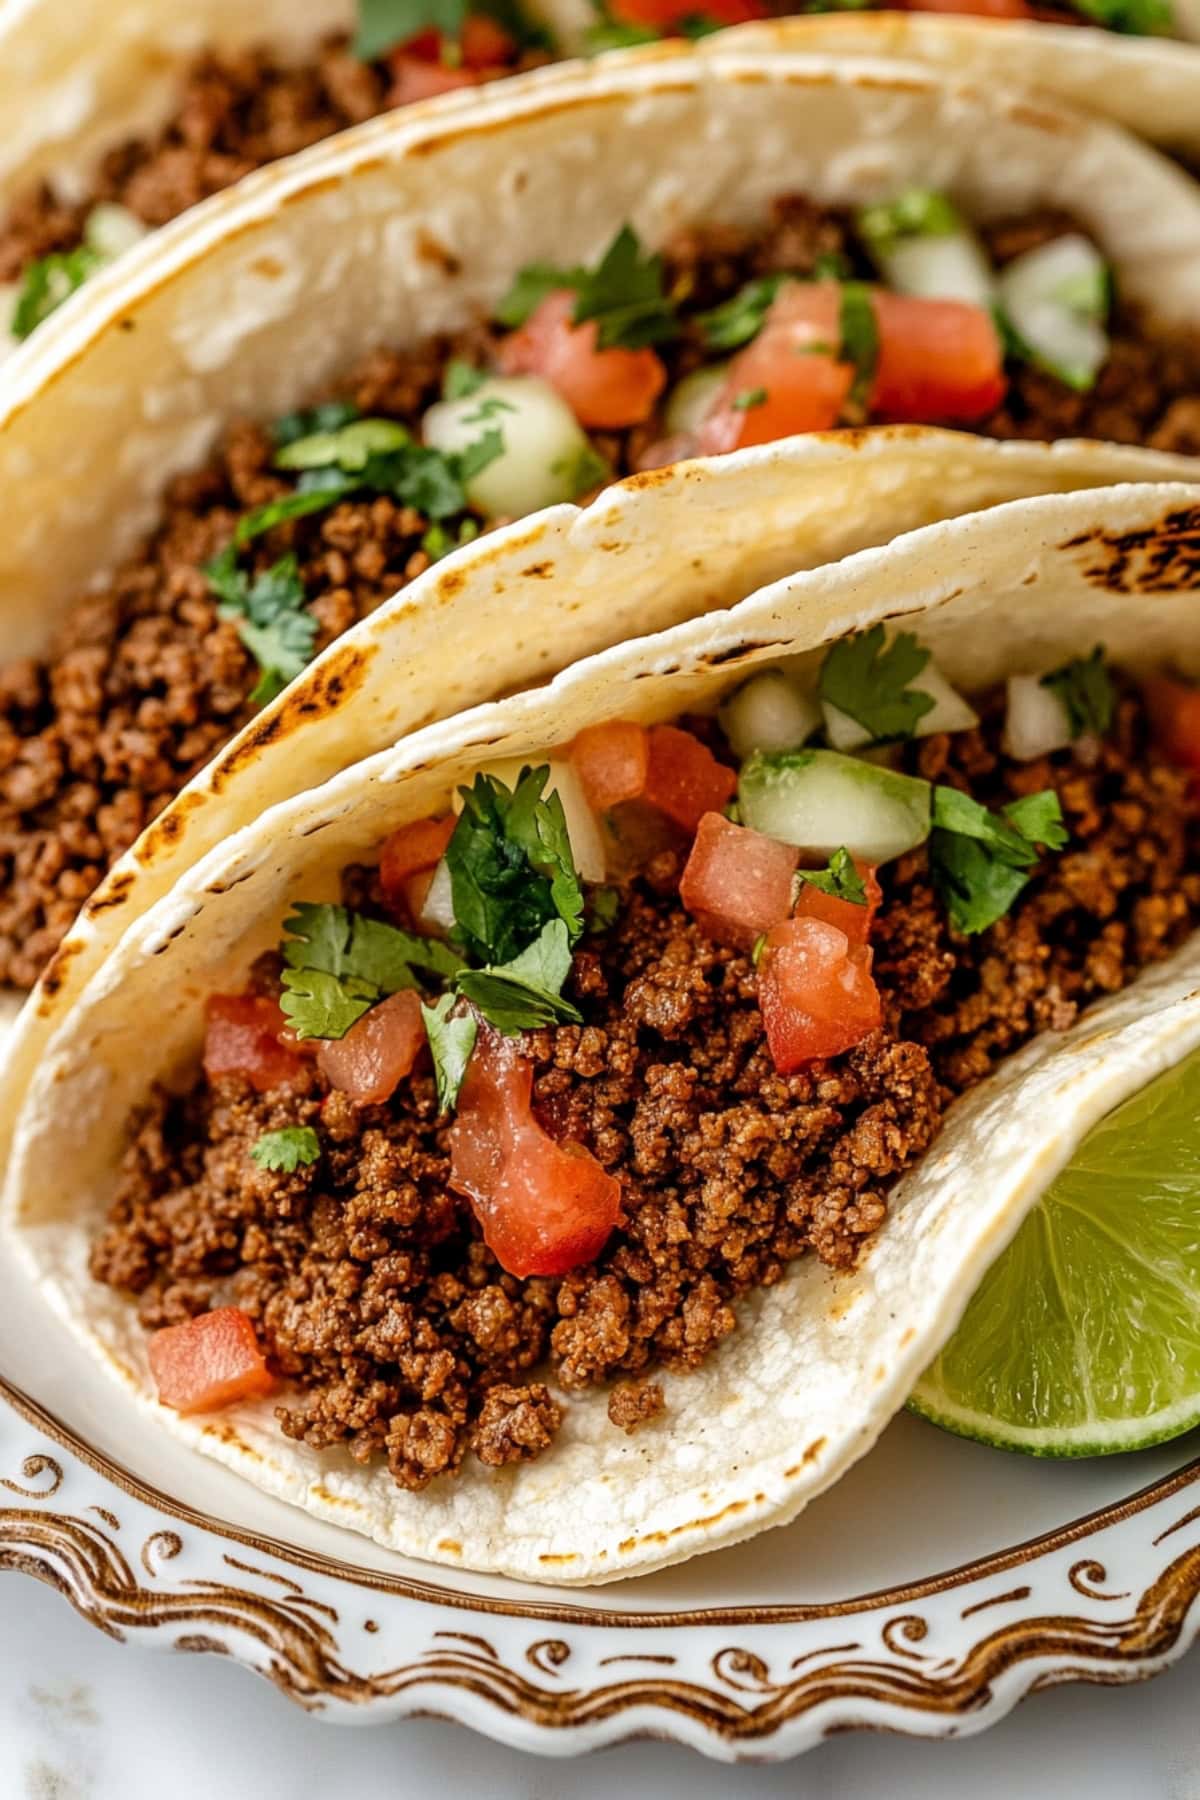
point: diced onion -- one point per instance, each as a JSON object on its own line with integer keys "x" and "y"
{"x": 1036, "y": 720}
{"x": 110, "y": 230}
{"x": 545, "y": 447}
{"x": 1056, "y": 299}
{"x": 436, "y": 918}
{"x": 583, "y": 827}
{"x": 940, "y": 266}
{"x": 949, "y": 712}
{"x": 768, "y": 712}
{"x": 690, "y": 400}
{"x": 821, "y": 801}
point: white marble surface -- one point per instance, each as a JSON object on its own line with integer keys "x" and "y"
{"x": 82, "y": 1718}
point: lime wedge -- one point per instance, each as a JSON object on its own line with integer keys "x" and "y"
{"x": 1084, "y": 1337}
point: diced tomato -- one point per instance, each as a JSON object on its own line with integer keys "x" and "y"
{"x": 611, "y": 761}
{"x": 241, "y": 1037}
{"x": 666, "y": 16}
{"x": 416, "y": 78}
{"x": 1174, "y": 708}
{"x": 377, "y": 1053}
{"x": 485, "y": 44}
{"x": 854, "y": 920}
{"x": 608, "y": 389}
{"x": 209, "y": 1362}
{"x": 409, "y": 851}
{"x": 791, "y": 371}
{"x": 815, "y": 992}
{"x": 938, "y": 359}
{"x": 983, "y": 9}
{"x": 545, "y": 1207}
{"x": 684, "y": 780}
{"x": 737, "y": 883}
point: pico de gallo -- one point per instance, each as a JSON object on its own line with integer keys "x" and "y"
{"x": 727, "y": 338}
{"x": 620, "y": 1032}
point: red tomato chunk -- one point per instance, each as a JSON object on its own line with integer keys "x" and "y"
{"x": 210, "y": 1362}
{"x": 608, "y": 389}
{"x": 938, "y": 359}
{"x": 610, "y": 760}
{"x": 791, "y": 372}
{"x": 667, "y": 16}
{"x": 737, "y": 883}
{"x": 241, "y": 1037}
{"x": 684, "y": 780}
{"x": 411, "y": 851}
{"x": 854, "y": 920}
{"x": 815, "y": 992}
{"x": 1174, "y": 708}
{"x": 544, "y": 1207}
{"x": 375, "y": 1055}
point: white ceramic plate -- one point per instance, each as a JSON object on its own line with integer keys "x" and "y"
{"x": 931, "y": 1590}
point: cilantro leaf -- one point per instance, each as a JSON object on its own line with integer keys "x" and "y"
{"x": 438, "y": 542}
{"x": 287, "y": 1150}
{"x": 331, "y": 415}
{"x": 273, "y": 620}
{"x": 451, "y": 1040}
{"x": 48, "y": 281}
{"x": 958, "y": 813}
{"x": 1141, "y": 18}
{"x": 840, "y": 879}
{"x": 736, "y": 321}
{"x": 698, "y": 25}
{"x": 382, "y": 24}
{"x": 915, "y": 212}
{"x": 871, "y": 684}
{"x": 340, "y": 963}
{"x": 604, "y": 904}
{"x": 510, "y": 867}
{"x": 1038, "y": 817}
{"x": 349, "y": 447}
{"x": 859, "y": 336}
{"x": 624, "y": 293}
{"x": 748, "y": 398}
{"x": 1085, "y": 688}
{"x": 614, "y": 34}
{"x": 586, "y": 470}
{"x": 461, "y": 379}
{"x": 976, "y": 886}
{"x": 526, "y": 992}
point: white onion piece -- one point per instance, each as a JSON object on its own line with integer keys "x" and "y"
{"x": 940, "y": 266}
{"x": 110, "y": 230}
{"x": 690, "y": 400}
{"x": 436, "y": 917}
{"x": 1056, "y": 299}
{"x": 543, "y": 444}
{"x": 768, "y": 712}
{"x": 1036, "y": 721}
{"x": 583, "y": 827}
{"x": 949, "y": 712}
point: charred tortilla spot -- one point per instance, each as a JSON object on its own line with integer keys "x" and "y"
{"x": 327, "y": 688}
{"x": 451, "y": 1546}
{"x": 538, "y": 571}
{"x": 428, "y": 249}
{"x": 114, "y": 893}
{"x": 716, "y": 659}
{"x": 269, "y": 267}
{"x": 55, "y": 972}
{"x": 1151, "y": 559}
{"x": 810, "y": 1455}
{"x": 162, "y": 835}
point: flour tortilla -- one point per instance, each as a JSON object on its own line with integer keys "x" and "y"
{"x": 411, "y": 225}
{"x": 820, "y": 1363}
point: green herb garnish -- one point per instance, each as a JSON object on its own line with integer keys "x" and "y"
{"x": 331, "y": 415}
{"x": 340, "y": 963}
{"x": 1085, "y": 688}
{"x": 872, "y": 685}
{"x": 748, "y": 398}
{"x": 982, "y": 860}
{"x": 285, "y": 1151}
{"x": 736, "y": 321}
{"x": 839, "y": 879}
{"x": 461, "y": 379}
{"x": 915, "y": 212}
{"x": 451, "y": 1040}
{"x": 50, "y": 280}
{"x": 382, "y": 24}
{"x": 510, "y": 867}
{"x": 624, "y": 293}
{"x": 586, "y": 470}
{"x": 527, "y": 992}
{"x": 603, "y": 907}
{"x": 859, "y": 336}
{"x": 272, "y": 618}
{"x": 1138, "y": 18}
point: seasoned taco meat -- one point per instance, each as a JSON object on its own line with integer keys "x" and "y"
{"x": 152, "y": 676}
{"x": 364, "y": 1273}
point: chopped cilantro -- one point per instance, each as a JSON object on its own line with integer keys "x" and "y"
{"x": 376, "y": 456}
{"x": 736, "y": 321}
{"x": 586, "y": 470}
{"x": 604, "y": 904}
{"x": 526, "y": 992}
{"x": 614, "y": 34}
{"x": 451, "y": 1040}
{"x": 287, "y": 1150}
{"x": 1139, "y": 18}
{"x": 349, "y": 448}
{"x": 624, "y": 293}
{"x": 382, "y": 24}
{"x": 981, "y": 860}
{"x": 915, "y": 212}
{"x": 438, "y": 542}
{"x": 461, "y": 379}
{"x": 871, "y": 684}
{"x": 839, "y": 879}
{"x": 331, "y": 415}
{"x": 340, "y": 963}
{"x": 748, "y": 398}
{"x": 49, "y": 281}
{"x": 831, "y": 265}
{"x": 510, "y": 867}
{"x": 760, "y": 944}
{"x": 698, "y": 25}
{"x": 261, "y": 519}
{"x": 859, "y": 338}
{"x": 273, "y": 620}
{"x": 1085, "y": 688}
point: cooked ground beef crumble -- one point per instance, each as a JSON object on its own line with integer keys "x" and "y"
{"x": 148, "y": 682}
{"x": 365, "y": 1275}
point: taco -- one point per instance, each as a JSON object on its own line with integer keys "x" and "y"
{"x": 116, "y": 118}
{"x": 569, "y": 1133}
{"x": 140, "y": 662}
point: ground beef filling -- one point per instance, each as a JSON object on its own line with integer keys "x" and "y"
{"x": 148, "y": 682}
{"x": 366, "y": 1276}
